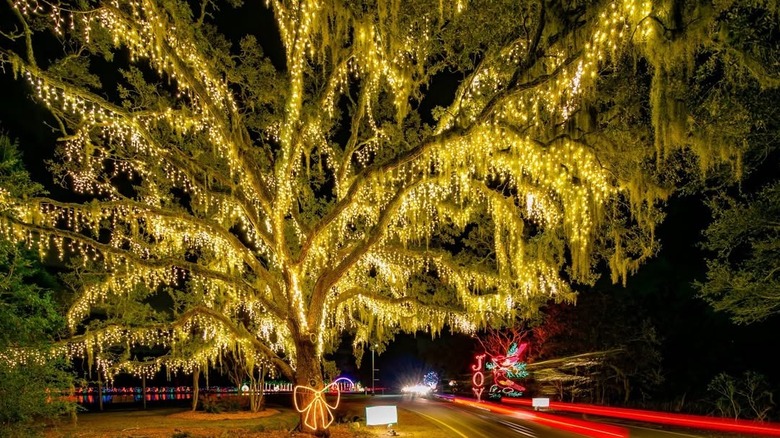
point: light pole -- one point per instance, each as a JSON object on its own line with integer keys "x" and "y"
{"x": 373, "y": 380}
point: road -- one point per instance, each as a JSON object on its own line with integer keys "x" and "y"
{"x": 467, "y": 422}
{"x": 470, "y": 422}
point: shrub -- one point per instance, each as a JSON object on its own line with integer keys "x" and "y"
{"x": 31, "y": 392}
{"x": 748, "y": 397}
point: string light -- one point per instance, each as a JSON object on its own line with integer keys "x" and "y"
{"x": 222, "y": 220}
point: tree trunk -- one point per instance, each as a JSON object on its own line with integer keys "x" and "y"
{"x": 256, "y": 396}
{"x": 100, "y": 391}
{"x": 195, "y": 388}
{"x": 626, "y": 390}
{"x": 603, "y": 393}
{"x": 309, "y": 396}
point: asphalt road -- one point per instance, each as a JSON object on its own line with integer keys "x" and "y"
{"x": 466, "y": 422}
{"x": 469, "y": 422}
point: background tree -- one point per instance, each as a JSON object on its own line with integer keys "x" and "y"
{"x": 496, "y": 342}
{"x": 742, "y": 239}
{"x": 604, "y": 350}
{"x": 269, "y": 206}
{"x": 31, "y": 393}
{"x": 241, "y": 371}
{"x": 747, "y": 397}
{"x": 743, "y": 275}
{"x": 568, "y": 378}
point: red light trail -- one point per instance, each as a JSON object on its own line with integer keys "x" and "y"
{"x": 694, "y": 421}
{"x": 582, "y": 427}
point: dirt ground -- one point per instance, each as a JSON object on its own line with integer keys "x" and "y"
{"x": 204, "y": 416}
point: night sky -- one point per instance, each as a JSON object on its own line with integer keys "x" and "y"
{"x": 697, "y": 342}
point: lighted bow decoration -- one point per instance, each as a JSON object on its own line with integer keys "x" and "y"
{"x": 318, "y": 410}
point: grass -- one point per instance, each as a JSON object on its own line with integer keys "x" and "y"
{"x": 412, "y": 425}
{"x": 167, "y": 422}
{"x": 178, "y": 423}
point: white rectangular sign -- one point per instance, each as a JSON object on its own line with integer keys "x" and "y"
{"x": 540, "y": 402}
{"x": 381, "y": 415}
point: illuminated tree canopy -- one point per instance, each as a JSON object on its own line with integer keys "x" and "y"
{"x": 274, "y": 206}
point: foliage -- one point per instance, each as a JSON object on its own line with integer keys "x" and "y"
{"x": 238, "y": 201}
{"x": 30, "y": 392}
{"x": 31, "y": 397}
{"x": 743, "y": 275}
{"x": 215, "y": 404}
{"x": 14, "y": 180}
{"x": 210, "y": 405}
{"x": 748, "y": 397}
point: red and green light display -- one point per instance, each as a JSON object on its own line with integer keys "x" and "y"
{"x": 506, "y": 369}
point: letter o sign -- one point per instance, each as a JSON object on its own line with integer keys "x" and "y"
{"x": 478, "y": 379}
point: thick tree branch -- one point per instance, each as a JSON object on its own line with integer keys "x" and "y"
{"x": 331, "y": 276}
{"x": 152, "y": 263}
{"x": 198, "y": 223}
{"x": 241, "y": 332}
{"x": 227, "y": 126}
{"x": 28, "y": 45}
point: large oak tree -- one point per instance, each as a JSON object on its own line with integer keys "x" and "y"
{"x": 278, "y": 205}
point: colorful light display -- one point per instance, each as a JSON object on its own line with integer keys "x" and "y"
{"x": 431, "y": 379}
{"x": 505, "y": 369}
{"x": 478, "y": 379}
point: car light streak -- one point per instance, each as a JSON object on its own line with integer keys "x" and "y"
{"x": 687, "y": 420}
{"x": 582, "y": 427}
